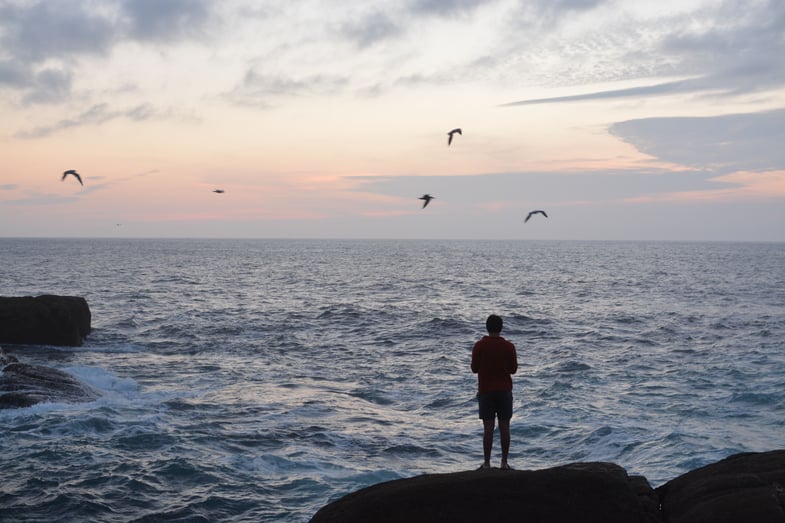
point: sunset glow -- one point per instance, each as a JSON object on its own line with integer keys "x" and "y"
{"x": 325, "y": 120}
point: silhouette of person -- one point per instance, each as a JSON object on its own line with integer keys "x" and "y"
{"x": 494, "y": 360}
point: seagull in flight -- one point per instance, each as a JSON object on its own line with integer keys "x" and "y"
{"x": 218, "y": 191}
{"x": 533, "y": 213}
{"x": 449, "y": 139}
{"x": 76, "y": 175}
{"x": 427, "y": 199}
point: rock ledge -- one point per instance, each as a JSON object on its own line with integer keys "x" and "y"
{"x": 745, "y": 487}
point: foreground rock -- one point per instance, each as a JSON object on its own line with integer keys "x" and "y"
{"x": 44, "y": 320}
{"x": 582, "y": 492}
{"x": 23, "y": 385}
{"x": 743, "y": 488}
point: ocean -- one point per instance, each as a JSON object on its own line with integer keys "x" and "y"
{"x": 257, "y": 380}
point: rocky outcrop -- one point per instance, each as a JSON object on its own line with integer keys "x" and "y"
{"x": 23, "y": 385}
{"x": 581, "y": 492}
{"x": 746, "y": 487}
{"x": 44, "y": 320}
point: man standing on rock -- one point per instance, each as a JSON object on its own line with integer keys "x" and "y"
{"x": 494, "y": 360}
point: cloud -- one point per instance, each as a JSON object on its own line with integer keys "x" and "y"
{"x": 258, "y": 90}
{"x": 374, "y": 28}
{"x": 648, "y": 90}
{"x": 446, "y": 7}
{"x": 43, "y": 42}
{"x": 96, "y": 115}
{"x": 733, "y": 187}
{"x": 44, "y": 30}
{"x": 483, "y": 190}
{"x": 49, "y": 86}
{"x": 721, "y": 49}
{"x": 732, "y": 142}
{"x": 168, "y": 20}
{"x": 8, "y": 187}
{"x": 14, "y": 74}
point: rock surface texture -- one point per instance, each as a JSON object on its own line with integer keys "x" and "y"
{"x": 581, "y": 492}
{"x": 742, "y": 488}
{"x": 23, "y": 385}
{"x": 44, "y": 320}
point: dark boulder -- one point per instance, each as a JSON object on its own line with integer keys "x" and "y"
{"x": 23, "y": 385}
{"x": 44, "y": 320}
{"x": 743, "y": 487}
{"x": 585, "y": 492}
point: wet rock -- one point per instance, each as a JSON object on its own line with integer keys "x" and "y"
{"x": 585, "y": 492}
{"x": 743, "y": 487}
{"x": 23, "y": 385}
{"x": 44, "y": 320}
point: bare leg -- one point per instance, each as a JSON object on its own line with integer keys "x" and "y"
{"x": 504, "y": 436}
{"x": 487, "y": 438}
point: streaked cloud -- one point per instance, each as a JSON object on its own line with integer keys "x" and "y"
{"x": 262, "y": 90}
{"x": 647, "y": 90}
{"x": 95, "y": 115}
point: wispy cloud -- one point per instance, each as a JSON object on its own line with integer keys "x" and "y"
{"x": 730, "y": 52}
{"x": 262, "y": 90}
{"x": 95, "y": 115}
{"x": 648, "y": 90}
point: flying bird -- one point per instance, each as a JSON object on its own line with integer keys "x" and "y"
{"x": 449, "y": 139}
{"x": 73, "y": 172}
{"x": 427, "y": 199}
{"x": 218, "y": 191}
{"x": 532, "y": 213}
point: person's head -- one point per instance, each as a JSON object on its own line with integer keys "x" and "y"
{"x": 493, "y": 324}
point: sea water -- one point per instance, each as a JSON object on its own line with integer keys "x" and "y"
{"x": 257, "y": 380}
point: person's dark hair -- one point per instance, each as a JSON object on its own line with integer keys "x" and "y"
{"x": 493, "y": 324}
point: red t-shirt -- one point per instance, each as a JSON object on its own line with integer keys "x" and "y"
{"x": 494, "y": 360}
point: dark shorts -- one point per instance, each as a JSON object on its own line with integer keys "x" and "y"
{"x": 495, "y": 403}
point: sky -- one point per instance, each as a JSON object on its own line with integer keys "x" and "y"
{"x": 622, "y": 119}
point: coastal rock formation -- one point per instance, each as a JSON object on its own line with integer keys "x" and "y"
{"x": 23, "y": 385}
{"x": 745, "y": 487}
{"x": 44, "y": 320}
{"x": 585, "y": 492}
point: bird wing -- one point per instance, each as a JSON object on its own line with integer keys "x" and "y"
{"x": 543, "y": 213}
{"x": 78, "y": 178}
{"x": 527, "y": 217}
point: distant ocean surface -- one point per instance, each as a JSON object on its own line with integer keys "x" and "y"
{"x": 257, "y": 380}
